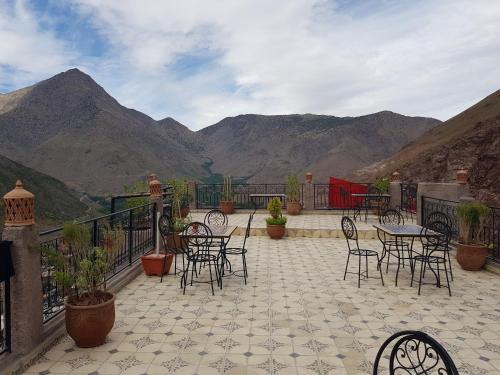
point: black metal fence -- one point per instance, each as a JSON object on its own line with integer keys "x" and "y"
{"x": 409, "y": 198}
{"x": 339, "y": 196}
{"x": 4, "y": 316}
{"x": 490, "y": 235}
{"x": 209, "y": 195}
{"x": 139, "y": 232}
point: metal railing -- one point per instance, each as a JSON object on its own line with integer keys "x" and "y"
{"x": 490, "y": 235}
{"x": 339, "y": 196}
{"x": 209, "y": 195}
{"x": 139, "y": 229}
{"x": 4, "y": 316}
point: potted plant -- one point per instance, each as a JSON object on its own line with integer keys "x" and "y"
{"x": 381, "y": 186}
{"x": 226, "y": 203}
{"x": 471, "y": 253}
{"x": 275, "y": 223}
{"x": 293, "y": 205}
{"x": 180, "y": 198}
{"x": 81, "y": 269}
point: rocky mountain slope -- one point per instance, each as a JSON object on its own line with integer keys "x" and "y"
{"x": 267, "y": 148}
{"x": 54, "y": 201}
{"x": 470, "y": 140}
{"x": 70, "y": 128}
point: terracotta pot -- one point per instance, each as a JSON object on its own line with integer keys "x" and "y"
{"x": 471, "y": 257}
{"x": 153, "y": 264}
{"x": 89, "y": 325}
{"x": 276, "y": 231}
{"x": 174, "y": 240}
{"x": 227, "y": 207}
{"x": 184, "y": 212}
{"x": 293, "y": 208}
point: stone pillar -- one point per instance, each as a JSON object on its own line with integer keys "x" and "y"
{"x": 192, "y": 192}
{"x": 309, "y": 192}
{"x": 26, "y": 285}
{"x": 395, "y": 190}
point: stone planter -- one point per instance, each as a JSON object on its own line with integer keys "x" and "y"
{"x": 89, "y": 325}
{"x": 276, "y": 231}
{"x": 471, "y": 257}
{"x": 293, "y": 208}
{"x": 227, "y": 207}
{"x": 153, "y": 264}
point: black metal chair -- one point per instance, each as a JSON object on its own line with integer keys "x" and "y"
{"x": 414, "y": 353}
{"x": 172, "y": 243}
{"x": 239, "y": 251}
{"x": 351, "y": 235}
{"x": 433, "y": 254}
{"x": 392, "y": 246}
{"x": 437, "y": 216}
{"x": 215, "y": 217}
{"x": 198, "y": 238}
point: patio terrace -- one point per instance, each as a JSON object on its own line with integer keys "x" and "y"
{"x": 296, "y": 315}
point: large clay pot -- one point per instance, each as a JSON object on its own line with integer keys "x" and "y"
{"x": 89, "y": 325}
{"x": 227, "y": 207}
{"x": 293, "y": 208}
{"x": 153, "y": 264}
{"x": 184, "y": 212}
{"x": 276, "y": 231}
{"x": 471, "y": 257}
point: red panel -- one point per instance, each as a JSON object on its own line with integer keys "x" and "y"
{"x": 335, "y": 199}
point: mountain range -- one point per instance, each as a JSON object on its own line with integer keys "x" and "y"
{"x": 70, "y": 128}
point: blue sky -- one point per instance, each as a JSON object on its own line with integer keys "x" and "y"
{"x": 200, "y": 61}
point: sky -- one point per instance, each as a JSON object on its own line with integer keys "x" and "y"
{"x": 201, "y": 61}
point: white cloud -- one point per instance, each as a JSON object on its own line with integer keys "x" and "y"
{"x": 430, "y": 58}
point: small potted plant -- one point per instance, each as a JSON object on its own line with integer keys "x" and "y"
{"x": 180, "y": 198}
{"x": 471, "y": 252}
{"x": 226, "y": 203}
{"x": 275, "y": 223}
{"x": 81, "y": 269}
{"x": 381, "y": 186}
{"x": 293, "y": 205}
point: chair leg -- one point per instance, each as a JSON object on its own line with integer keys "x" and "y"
{"x": 211, "y": 280}
{"x": 244, "y": 267}
{"x": 185, "y": 277}
{"x": 447, "y": 279}
{"x": 380, "y": 270}
{"x": 163, "y": 268}
{"x": 422, "y": 262}
{"x": 347, "y": 264}
{"x": 366, "y": 265}
{"x": 359, "y": 270}
{"x": 449, "y": 263}
{"x": 175, "y": 264}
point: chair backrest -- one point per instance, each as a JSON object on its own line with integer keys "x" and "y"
{"x": 414, "y": 352}
{"x": 215, "y": 217}
{"x": 350, "y": 231}
{"x": 432, "y": 241}
{"x": 197, "y": 235}
{"x": 247, "y": 231}
{"x": 172, "y": 243}
{"x": 165, "y": 224}
{"x": 437, "y": 216}
{"x": 391, "y": 216}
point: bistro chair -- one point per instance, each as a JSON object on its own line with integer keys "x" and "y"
{"x": 351, "y": 236}
{"x": 433, "y": 254}
{"x": 198, "y": 238}
{"x": 413, "y": 353}
{"x": 391, "y": 245}
{"x": 238, "y": 251}
{"x": 437, "y": 216}
{"x": 172, "y": 243}
{"x": 215, "y": 217}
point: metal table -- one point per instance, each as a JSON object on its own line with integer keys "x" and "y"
{"x": 400, "y": 232}
{"x": 367, "y": 198}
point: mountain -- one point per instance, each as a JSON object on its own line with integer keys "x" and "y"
{"x": 267, "y": 148}
{"x": 54, "y": 201}
{"x": 70, "y": 128}
{"x": 470, "y": 140}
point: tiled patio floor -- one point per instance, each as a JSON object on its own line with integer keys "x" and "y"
{"x": 295, "y": 316}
